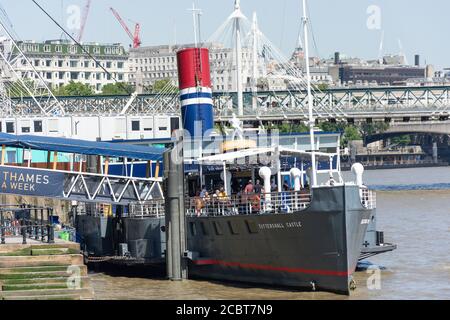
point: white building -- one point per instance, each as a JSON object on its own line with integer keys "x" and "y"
{"x": 59, "y": 62}
{"x": 147, "y": 65}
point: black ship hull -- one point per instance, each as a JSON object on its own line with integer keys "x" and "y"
{"x": 317, "y": 248}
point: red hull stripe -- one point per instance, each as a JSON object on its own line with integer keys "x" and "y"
{"x": 272, "y": 268}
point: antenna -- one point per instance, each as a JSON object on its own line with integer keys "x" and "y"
{"x": 310, "y": 99}
{"x": 380, "y": 51}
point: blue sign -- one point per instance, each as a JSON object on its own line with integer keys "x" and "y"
{"x": 31, "y": 182}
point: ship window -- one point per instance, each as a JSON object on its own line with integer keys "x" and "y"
{"x": 233, "y": 227}
{"x": 217, "y": 228}
{"x": 25, "y": 129}
{"x": 251, "y": 226}
{"x": 193, "y": 228}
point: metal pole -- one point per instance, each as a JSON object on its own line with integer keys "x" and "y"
{"x": 2, "y": 226}
{"x": 24, "y": 231}
{"x": 42, "y": 225}
{"x": 50, "y": 231}
{"x": 175, "y": 214}
{"x": 310, "y": 100}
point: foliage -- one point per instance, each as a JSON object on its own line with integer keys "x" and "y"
{"x": 74, "y": 89}
{"x": 372, "y": 128}
{"x": 165, "y": 86}
{"x": 16, "y": 89}
{"x": 119, "y": 88}
{"x": 322, "y": 86}
{"x": 403, "y": 140}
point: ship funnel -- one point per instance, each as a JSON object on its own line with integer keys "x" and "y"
{"x": 265, "y": 173}
{"x": 195, "y": 90}
{"x": 296, "y": 174}
{"x": 358, "y": 170}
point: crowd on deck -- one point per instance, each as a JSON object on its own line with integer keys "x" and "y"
{"x": 245, "y": 199}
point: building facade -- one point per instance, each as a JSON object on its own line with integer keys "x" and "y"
{"x": 58, "y": 62}
{"x": 147, "y": 65}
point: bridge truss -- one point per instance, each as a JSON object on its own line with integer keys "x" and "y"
{"x": 341, "y": 104}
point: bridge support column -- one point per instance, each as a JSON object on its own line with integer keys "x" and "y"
{"x": 435, "y": 152}
{"x": 175, "y": 213}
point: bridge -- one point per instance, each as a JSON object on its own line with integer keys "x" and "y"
{"x": 401, "y": 103}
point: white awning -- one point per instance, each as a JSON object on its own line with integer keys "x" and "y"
{"x": 232, "y": 156}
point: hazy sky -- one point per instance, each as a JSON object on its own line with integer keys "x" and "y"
{"x": 353, "y": 27}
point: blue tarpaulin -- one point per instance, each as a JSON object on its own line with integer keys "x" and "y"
{"x": 76, "y": 146}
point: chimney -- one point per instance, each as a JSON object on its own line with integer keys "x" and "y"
{"x": 337, "y": 58}
{"x": 417, "y": 60}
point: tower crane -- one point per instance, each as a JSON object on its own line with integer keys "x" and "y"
{"x": 87, "y": 7}
{"x": 137, "y": 29}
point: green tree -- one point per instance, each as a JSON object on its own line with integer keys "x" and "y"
{"x": 403, "y": 140}
{"x": 165, "y": 86}
{"x": 74, "y": 89}
{"x": 118, "y": 88}
{"x": 351, "y": 133}
{"x": 18, "y": 89}
{"x": 322, "y": 86}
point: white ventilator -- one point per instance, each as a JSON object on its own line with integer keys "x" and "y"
{"x": 265, "y": 173}
{"x": 358, "y": 170}
{"x": 296, "y": 174}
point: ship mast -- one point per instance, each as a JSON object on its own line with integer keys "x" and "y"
{"x": 310, "y": 99}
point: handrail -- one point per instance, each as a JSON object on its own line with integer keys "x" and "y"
{"x": 244, "y": 204}
{"x": 34, "y": 227}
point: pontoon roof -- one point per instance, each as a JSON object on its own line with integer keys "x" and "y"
{"x": 76, "y": 146}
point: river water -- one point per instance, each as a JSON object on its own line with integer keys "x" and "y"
{"x": 413, "y": 208}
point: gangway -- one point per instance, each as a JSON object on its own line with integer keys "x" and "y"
{"x": 73, "y": 182}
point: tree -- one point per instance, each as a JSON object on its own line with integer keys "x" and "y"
{"x": 322, "y": 86}
{"x": 18, "y": 89}
{"x": 351, "y": 133}
{"x": 74, "y": 89}
{"x": 119, "y": 88}
{"x": 403, "y": 140}
{"x": 165, "y": 86}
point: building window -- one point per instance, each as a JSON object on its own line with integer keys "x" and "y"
{"x": 9, "y": 127}
{"x": 135, "y": 125}
{"x": 38, "y": 126}
{"x": 120, "y": 65}
{"x": 47, "y": 48}
{"x": 97, "y": 50}
{"x": 58, "y": 48}
{"x": 73, "y": 49}
{"x": 25, "y": 129}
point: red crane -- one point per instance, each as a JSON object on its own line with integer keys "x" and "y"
{"x": 137, "y": 29}
{"x": 84, "y": 19}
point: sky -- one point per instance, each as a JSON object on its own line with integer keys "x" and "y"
{"x": 353, "y": 27}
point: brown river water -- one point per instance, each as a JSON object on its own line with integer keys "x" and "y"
{"x": 418, "y": 221}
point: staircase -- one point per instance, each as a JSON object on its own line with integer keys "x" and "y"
{"x": 43, "y": 272}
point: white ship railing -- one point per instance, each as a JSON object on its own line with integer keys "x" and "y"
{"x": 368, "y": 198}
{"x": 244, "y": 204}
{"x": 153, "y": 208}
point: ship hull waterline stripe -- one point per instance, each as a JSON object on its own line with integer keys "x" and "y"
{"x": 272, "y": 268}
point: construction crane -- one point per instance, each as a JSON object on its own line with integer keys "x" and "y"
{"x": 87, "y": 7}
{"x": 137, "y": 29}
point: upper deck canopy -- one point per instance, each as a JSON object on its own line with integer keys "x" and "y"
{"x": 76, "y": 146}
